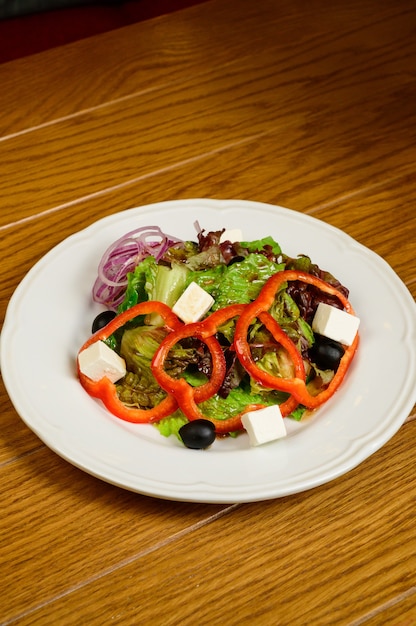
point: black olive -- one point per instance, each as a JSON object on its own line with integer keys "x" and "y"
{"x": 198, "y": 434}
{"x": 235, "y": 259}
{"x": 326, "y": 353}
{"x": 102, "y": 320}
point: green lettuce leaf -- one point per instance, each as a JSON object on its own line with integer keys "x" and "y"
{"x": 236, "y": 401}
{"x": 151, "y": 281}
{"x": 267, "y": 243}
{"x": 170, "y": 425}
{"x": 240, "y": 282}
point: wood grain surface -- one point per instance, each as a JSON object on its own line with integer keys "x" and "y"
{"x": 308, "y": 105}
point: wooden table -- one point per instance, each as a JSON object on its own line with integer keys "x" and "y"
{"x": 308, "y": 105}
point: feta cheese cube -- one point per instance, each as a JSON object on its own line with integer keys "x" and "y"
{"x": 335, "y": 324}
{"x": 234, "y": 234}
{"x": 98, "y": 360}
{"x": 193, "y": 304}
{"x": 264, "y": 425}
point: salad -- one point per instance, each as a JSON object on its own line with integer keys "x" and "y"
{"x": 198, "y": 335}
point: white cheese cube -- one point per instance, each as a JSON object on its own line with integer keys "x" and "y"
{"x": 193, "y": 304}
{"x": 335, "y": 324}
{"x": 233, "y": 235}
{"x": 98, "y": 360}
{"x": 264, "y": 425}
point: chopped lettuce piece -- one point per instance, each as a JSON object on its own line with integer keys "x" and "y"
{"x": 195, "y": 379}
{"x": 138, "y": 346}
{"x": 277, "y": 362}
{"x": 306, "y": 331}
{"x": 209, "y": 279}
{"x": 170, "y": 425}
{"x": 236, "y": 401}
{"x": 286, "y": 312}
{"x": 209, "y": 258}
{"x": 168, "y": 283}
{"x": 139, "y": 387}
{"x": 298, "y": 413}
{"x": 262, "y": 244}
{"x": 140, "y": 343}
{"x": 136, "y": 290}
{"x": 240, "y": 282}
{"x": 151, "y": 281}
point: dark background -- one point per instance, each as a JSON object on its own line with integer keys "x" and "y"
{"x": 31, "y": 26}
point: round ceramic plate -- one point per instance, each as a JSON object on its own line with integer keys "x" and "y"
{"x": 50, "y": 314}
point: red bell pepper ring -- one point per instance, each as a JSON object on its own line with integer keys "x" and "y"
{"x": 176, "y": 385}
{"x": 106, "y": 391}
{"x": 296, "y": 386}
{"x": 204, "y": 331}
{"x": 189, "y": 397}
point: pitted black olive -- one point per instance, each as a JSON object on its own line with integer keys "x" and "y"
{"x": 326, "y": 353}
{"x": 236, "y": 259}
{"x": 198, "y": 434}
{"x": 102, "y": 320}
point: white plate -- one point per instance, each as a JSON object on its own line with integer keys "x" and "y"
{"x": 50, "y": 315}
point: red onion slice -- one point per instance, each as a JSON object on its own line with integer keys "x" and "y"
{"x": 122, "y": 257}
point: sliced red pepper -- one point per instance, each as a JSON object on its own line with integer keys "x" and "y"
{"x": 295, "y": 386}
{"x": 176, "y": 385}
{"x": 204, "y": 331}
{"x": 106, "y": 391}
{"x": 189, "y": 397}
